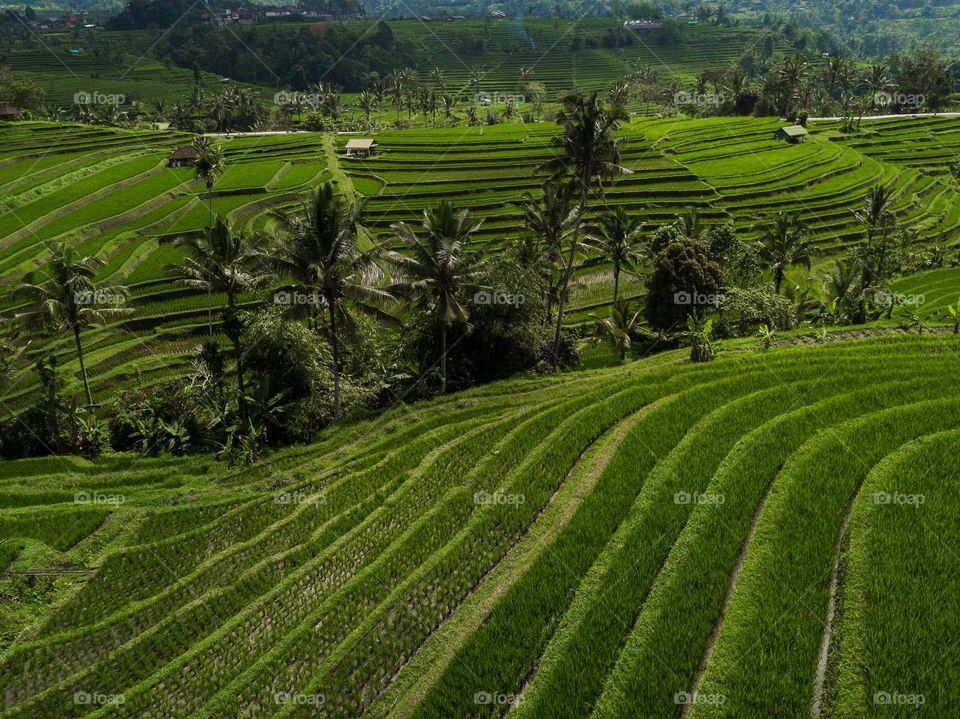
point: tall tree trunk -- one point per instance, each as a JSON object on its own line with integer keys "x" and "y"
{"x": 83, "y": 367}
{"x": 335, "y": 350}
{"x": 567, "y": 273}
{"x": 443, "y": 359}
{"x": 238, "y": 356}
{"x": 616, "y": 282}
{"x": 210, "y": 284}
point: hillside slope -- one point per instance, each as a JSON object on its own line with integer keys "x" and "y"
{"x": 637, "y": 541}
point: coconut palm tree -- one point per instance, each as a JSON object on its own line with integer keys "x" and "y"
{"x": 690, "y": 224}
{"x": 877, "y": 81}
{"x": 782, "y": 245}
{"x": 587, "y": 153}
{"x": 367, "y": 102}
{"x": 876, "y": 213}
{"x": 477, "y": 73}
{"x": 318, "y": 251}
{"x": 551, "y": 216}
{"x": 616, "y": 236}
{"x": 439, "y": 269}
{"x": 209, "y": 165}
{"x": 793, "y": 71}
{"x": 229, "y": 262}
{"x": 439, "y": 80}
{"x": 620, "y": 327}
{"x": 65, "y": 296}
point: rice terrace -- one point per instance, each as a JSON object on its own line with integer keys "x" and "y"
{"x": 543, "y": 360}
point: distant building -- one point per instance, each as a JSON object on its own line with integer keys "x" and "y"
{"x": 498, "y": 14}
{"x": 361, "y": 148}
{"x": 9, "y": 113}
{"x": 642, "y": 25}
{"x": 792, "y": 134}
{"x": 184, "y": 157}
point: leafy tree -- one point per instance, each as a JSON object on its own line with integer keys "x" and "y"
{"x": 319, "y": 251}
{"x": 683, "y": 274}
{"x": 230, "y": 262}
{"x": 783, "y": 245}
{"x": 66, "y": 297}
{"x": 588, "y": 152}
{"x": 439, "y": 269}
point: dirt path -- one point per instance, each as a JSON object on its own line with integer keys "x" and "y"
{"x": 823, "y": 659}
{"x": 340, "y": 178}
{"x": 731, "y": 589}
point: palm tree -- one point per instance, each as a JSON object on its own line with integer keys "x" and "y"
{"x": 836, "y": 75}
{"x": 231, "y": 262}
{"x": 876, "y": 213}
{"x": 551, "y": 216}
{"x": 477, "y": 73}
{"x": 620, "y": 327}
{"x": 319, "y": 252}
{"x": 877, "y": 217}
{"x": 877, "y": 81}
{"x": 449, "y": 102}
{"x": 792, "y": 73}
{"x": 439, "y": 80}
{"x": 66, "y": 297}
{"x": 617, "y": 237}
{"x": 525, "y": 73}
{"x": 690, "y": 224}
{"x": 207, "y": 169}
{"x": 588, "y": 152}
{"x": 367, "y": 103}
{"x": 782, "y": 245}
{"x": 440, "y": 268}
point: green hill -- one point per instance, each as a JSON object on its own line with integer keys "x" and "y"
{"x": 596, "y": 544}
{"x": 111, "y": 192}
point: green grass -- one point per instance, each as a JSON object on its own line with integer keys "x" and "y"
{"x": 600, "y": 586}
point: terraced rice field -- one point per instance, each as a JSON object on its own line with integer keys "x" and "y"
{"x": 929, "y": 144}
{"x": 110, "y": 191}
{"x": 659, "y": 540}
{"x": 502, "y": 47}
{"x": 137, "y": 76}
{"x": 929, "y": 294}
